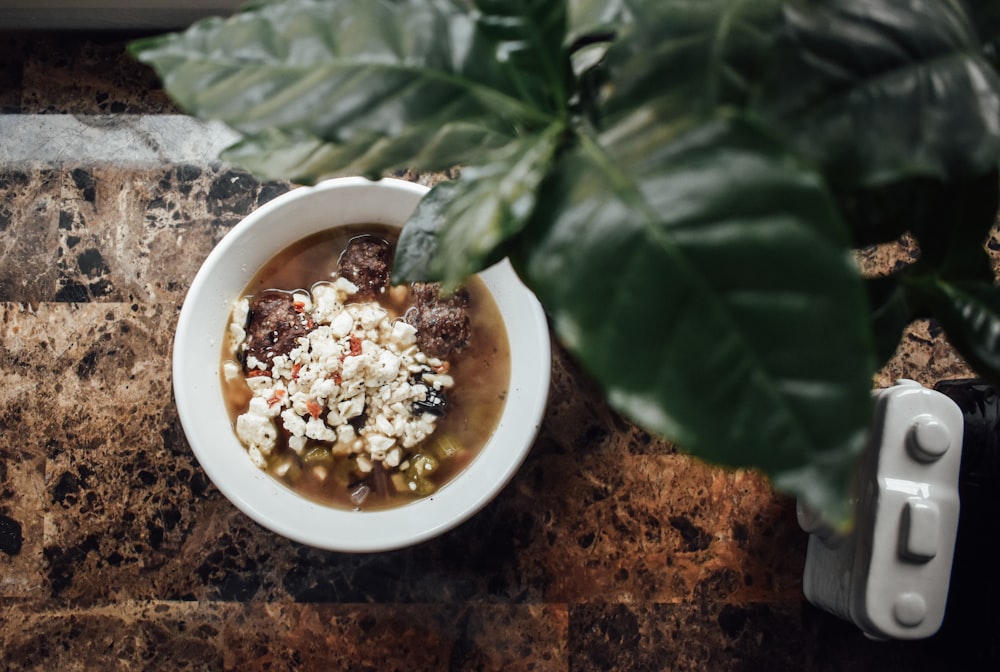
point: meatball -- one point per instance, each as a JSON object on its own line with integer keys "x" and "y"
{"x": 273, "y": 326}
{"x": 442, "y": 322}
{"x": 367, "y": 262}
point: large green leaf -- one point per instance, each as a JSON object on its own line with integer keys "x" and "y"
{"x": 529, "y": 35}
{"x": 303, "y": 158}
{"x": 659, "y": 171}
{"x": 969, "y": 311}
{"x": 891, "y": 313}
{"x": 595, "y": 19}
{"x": 985, "y": 16}
{"x": 357, "y": 72}
{"x": 708, "y": 285}
{"x": 460, "y": 227}
{"x": 873, "y": 91}
{"x": 690, "y": 58}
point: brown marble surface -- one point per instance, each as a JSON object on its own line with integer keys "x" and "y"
{"x": 608, "y": 551}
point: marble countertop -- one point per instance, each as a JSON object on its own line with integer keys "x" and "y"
{"x": 609, "y": 550}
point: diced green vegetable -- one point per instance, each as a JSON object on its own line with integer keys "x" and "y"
{"x": 289, "y": 470}
{"x": 422, "y": 464}
{"x": 317, "y": 454}
{"x": 400, "y": 482}
{"x": 344, "y": 471}
{"x": 445, "y": 447}
{"x": 422, "y": 486}
{"x": 413, "y": 479}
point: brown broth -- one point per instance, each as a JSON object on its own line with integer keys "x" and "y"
{"x": 475, "y": 403}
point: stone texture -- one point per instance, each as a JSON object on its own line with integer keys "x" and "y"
{"x": 608, "y": 550}
{"x": 173, "y": 635}
{"x": 83, "y": 74}
{"x": 108, "y": 234}
{"x": 714, "y": 636}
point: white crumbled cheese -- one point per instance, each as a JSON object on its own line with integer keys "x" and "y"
{"x": 383, "y": 425}
{"x": 344, "y": 288}
{"x": 326, "y": 303}
{"x": 353, "y": 407}
{"x": 317, "y": 429}
{"x": 294, "y": 423}
{"x": 231, "y": 370}
{"x": 385, "y": 369}
{"x": 403, "y": 391}
{"x": 439, "y": 380}
{"x": 237, "y": 334}
{"x": 297, "y": 443}
{"x": 254, "y": 363}
{"x": 356, "y": 366}
{"x": 258, "y": 383}
{"x": 283, "y": 468}
{"x": 357, "y": 362}
{"x": 345, "y": 434}
{"x": 378, "y": 443}
{"x": 260, "y": 405}
{"x": 370, "y": 315}
{"x": 256, "y": 432}
{"x": 304, "y": 300}
{"x": 342, "y": 324}
{"x": 256, "y": 457}
{"x": 392, "y": 457}
{"x": 403, "y": 333}
{"x": 280, "y": 363}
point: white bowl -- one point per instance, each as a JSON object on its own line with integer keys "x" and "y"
{"x": 198, "y": 391}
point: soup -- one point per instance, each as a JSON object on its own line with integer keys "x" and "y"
{"x": 318, "y": 330}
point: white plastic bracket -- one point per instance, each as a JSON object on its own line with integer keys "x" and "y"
{"x": 890, "y": 575}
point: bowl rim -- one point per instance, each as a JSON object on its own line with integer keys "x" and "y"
{"x": 276, "y": 506}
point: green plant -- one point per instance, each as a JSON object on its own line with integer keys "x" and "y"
{"x": 682, "y": 183}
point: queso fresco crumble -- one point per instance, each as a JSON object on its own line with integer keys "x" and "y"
{"x": 356, "y": 384}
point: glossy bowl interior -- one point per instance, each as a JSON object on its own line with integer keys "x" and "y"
{"x": 197, "y": 359}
